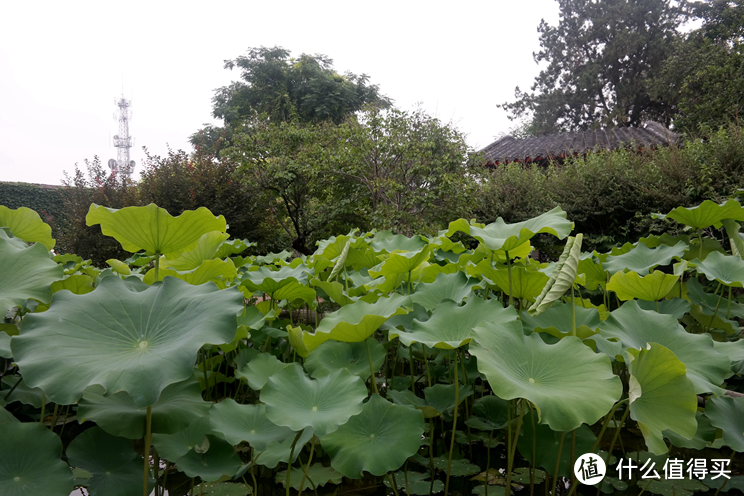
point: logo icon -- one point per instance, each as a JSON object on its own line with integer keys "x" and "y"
{"x": 589, "y": 468}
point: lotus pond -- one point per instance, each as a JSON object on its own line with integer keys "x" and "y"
{"x": 381, "y": 364}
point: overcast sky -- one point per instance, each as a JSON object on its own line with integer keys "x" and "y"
{"x": 62, "y": 64}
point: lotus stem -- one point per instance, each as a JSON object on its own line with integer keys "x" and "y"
{"x": 488, "y": 458}
{"x": 606, "y": 423}
{"x": 431, "y": 454}
{"x": 146, "y": 452}
{"x": 728, "y": 305}
{"x": 534, "y": 453}
{"x": 253, "y": 472}
{"x": 726, "y": 481}
{"x": 157, "y": 266}
{"x": 512, "y": 448}
{"x": 713, "y": 317}
{"x": 53, "y": 424}
{"x": 573, "y": 457}
{"x": 291, "y": 456}
{"x": 508, "y": 271}
{"x": 573, "y": 313}
{"x": 391, "y": 481}
{"x": 371, "y": 369}
{"x": 64, "y": 420}
{"x": 307, "y": 467}
{"x": 405, "y": 477}
{"x": 558, "y": 462}
{"x": 454, "y": 430}
{"x": 13, "y": 388}
{"x": 43, "y": 407}
{"x": 410, "y": 363}
{"x": 614, "y": 439}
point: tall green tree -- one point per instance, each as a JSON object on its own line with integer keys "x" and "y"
{"x": 599, "y": 58}
{"x": 276, "y": 87}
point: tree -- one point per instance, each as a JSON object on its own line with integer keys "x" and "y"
{"x": 703, "y": 79}
{"x": 412, "y": 169}
{"x": 600, "y": 58}
{"x": 277, "y": 88}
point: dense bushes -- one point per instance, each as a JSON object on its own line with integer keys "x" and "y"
{"x": 610, "y": 194}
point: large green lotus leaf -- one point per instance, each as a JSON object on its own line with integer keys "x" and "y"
{"x": 557, "y": 320}
{"x": 705, "y": 434}
{"x": 706, "y": 214}
{"x": 352, "y": 357}
{"x": 76, "y": 284}
{"x": 294, "y": 400}
{"x": 153, "y": 229}
{"x": 174, "y": 446}
{"x": 727, "y": 414}
{"x": 567, "y": 392}
{"x": 317, "y": 476}
{"x": 710, "y": 302}
{"x": 5, "y": 334}
{"x": 30, "y": 463}
{"x": 635, "y": 328}
{"x": 352, "y": 323}
{"x": 222, "y": 489}
{"x": 333, "y": 290}
{"x": 455, "y": 287}
{"x": 115, "y": 466}
{"x": 547, "y": 442}
{"x": 675, "y": 306}
{"x": 502, "y": 236}
{"x": 21, "y": 392}
{"x": 726, "y": 269}
{"x": 124, "y": 336}
{"x": 734, "y": 350}
{"x": 451, "y": 326}
{"x": 387, "y": 242}
{"x": 238, "y": 423}
{"x": 441, "y": 397}
{"x": 407, "y": 397}
{"x": 402, "y": 262}
{"x": 378, "y": 440}
{"x": 593, "y": 272}
{"x": 287, "y": 283}
{"x": 25, "y": 272}
{"x": 26, "y": 224}
{"x": 279, "y": 451}
{"x": 6, "y": 417}
{"x": 233, "y": 247}
{"x": 258, "y": 370}
{"x": 641, "y": 258}
{"x": 672, "y": 487}
{"x": 179, "y": 406}
{"x": 526, "y": 283}
{"x": 219, "y": 460}
{"x": 563, "y": 276}
{"x": 489, "y": 413}
{"x": 630, "y": 285}
{"x": 419, "y": 484}
{"x": 661, "y": 396}
{"x": 219, "y": 272}
{"x": 205, "y": 249}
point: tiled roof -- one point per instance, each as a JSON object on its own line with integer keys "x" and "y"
{"x": 557, "y": 146}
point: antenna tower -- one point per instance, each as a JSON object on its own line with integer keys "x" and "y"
{"x": 122, "y": 141}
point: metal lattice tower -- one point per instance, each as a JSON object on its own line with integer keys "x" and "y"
{"x": 123, "y": 142}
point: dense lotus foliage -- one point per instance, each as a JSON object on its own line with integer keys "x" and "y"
{"x": 466, "y": 363}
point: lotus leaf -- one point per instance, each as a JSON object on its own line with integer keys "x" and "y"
{"x": 378, "y": 440}
{"x": 294, "y": 400}
{"x": 406, "y": 397}
{"x": 387, "y": 242}
{"x": 352, "y": 323}
{"x": 279, "y": 451}
{"x": 641, "y": 258}
{"x": 726, "y": 269}
{"x": 115, "y": 466}
{"x": 214, "y": 463}
{"x": 705, "y": 434}
{"x": 402, "y": 262}
{"x": 6, "y": 417}
{"x": 205, "y": 249}
{"x": 450, "y": 325}
{"x": 502, "y": 236}
{"x": 26, "y": 224}
{"x": 258, "y": 370}
{"x": 25, "y": 272}
{"x": 219, "y": 272}
{"x": 727, "y": 414}
{"x": 709, "y": 302}
{"x": 179, "y": 406}
{"x": 417, "y": 484}
{"x": 566, "y": 393}
{"x": 459, "y": 467}
{"x": 635, "y": 328}
{"x": 675, "y": 306}
{"x": 21, "y": 392}
{"x": 153, "y": 229}
{"x": 672, "y": 487}
{"x": 547, "y": 442}
{"x": 340, "y": 260}
{"x": 333, "y": 290}
{"x": 630, "y": 285}
{"x": 287, "y": 283}
{"x": 76, "y": 284}
{"x": 30, "y": 463}
{"x": 352, "y": 357}
{"x": 222, "y": 489}
{"x": 238, "y": 423}
{"x": 526, "y": 283}
{"x": 118, "y": 266}
{"x": 489, "y": 413}
{"x": 706, "y": 214}
{"x": 557, "y": 321}
{"x": 5, "y": 333}
{"x": 562, "y": 278}
{"x": 441, "y": 397}
{"x": 661, "y": 396}
{"x": 737, "y": 243}
{"x": 455, "y": 287}
{"x": 317, "y": 476}
{"x": 593, "y": 272}
{"x": 123, "y": 336}
{"x": 174, "y": 446}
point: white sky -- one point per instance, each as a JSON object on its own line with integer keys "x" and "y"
{"x": 61, "y": 66}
